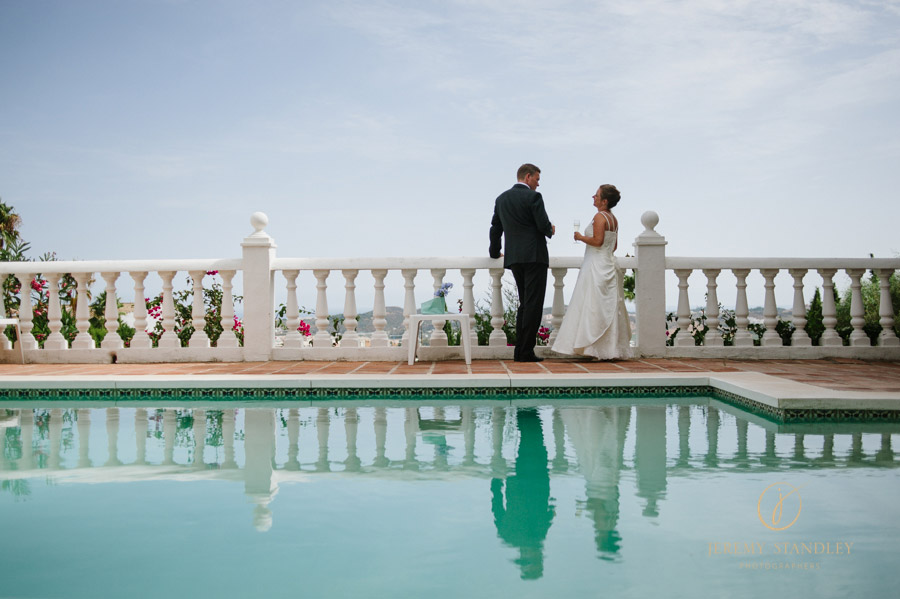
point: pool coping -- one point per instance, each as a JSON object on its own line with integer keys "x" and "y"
{"x": 771, "y": 396}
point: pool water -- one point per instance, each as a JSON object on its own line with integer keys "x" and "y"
{"x": 677, "y": 498}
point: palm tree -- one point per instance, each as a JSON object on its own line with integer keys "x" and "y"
{"x": 9, "y": 225}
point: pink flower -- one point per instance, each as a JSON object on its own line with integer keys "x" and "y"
{"x": 212, "y": 272}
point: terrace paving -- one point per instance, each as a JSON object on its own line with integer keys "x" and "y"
{"x": 844, "y": 375}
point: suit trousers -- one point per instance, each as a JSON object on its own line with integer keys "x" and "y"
{"x": 531, "y": 283}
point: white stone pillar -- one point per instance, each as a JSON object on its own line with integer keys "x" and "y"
{"x": 141, "y": 339}
{"x": 409, "y": 301}
{"x": 800, "y": 337}
{"x": 830, "y": 336}
{"x": 350, "y": 337}
{"x": 379, "y": 312}
{"x": 292, "y": 337}
{"x": 742, "y": 336}
{"x": 684, "y": 337}
{"x": 857, "y": 311}
{"x": 111, "y": 340}
{"x": 322, "y": 338}
{"x": 26, "y": 312}
{"x": 199, "y": 338}
{"x": 650, "y": 287}
{"x": 83, "y": 314}
{"x": 770, "y": 311}
{"x": 259, "y": 291}
{"x": 887, "y": 338}
{"x": 168, "y": 339}
{"x": 558, "y": 309}
{"x": 468, "y": 274}
{"x": 54, "y": 314}
{"x": 438, "y": 336}
{"x": 713, "y": 337}
{"x": 228, "y": 337}
{"x": 498, "y": 337}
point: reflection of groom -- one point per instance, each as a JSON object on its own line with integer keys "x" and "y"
{"x": 519, "y": 216}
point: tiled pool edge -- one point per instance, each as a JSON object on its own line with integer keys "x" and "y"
{"x": 774, "y": 398}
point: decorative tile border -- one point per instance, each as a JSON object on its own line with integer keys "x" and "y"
{"x": 550, "y": 393}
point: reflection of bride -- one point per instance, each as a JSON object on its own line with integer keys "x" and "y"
{"x": 596, "y": 322}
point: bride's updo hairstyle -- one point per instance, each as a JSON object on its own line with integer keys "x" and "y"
{"x": 610, "y": 194}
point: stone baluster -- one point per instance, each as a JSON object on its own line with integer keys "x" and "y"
{"x": 742, "y": 336}
{"x": 857, "y": 312}
{"x": 228, "y": 337}
{"x": 292, "y": 337}
{"x": 83, "y": 416}
{"x": 141, "y": 339}
{"x": 323, "y": 337}
{"x": 199, "y": 338}
{"x": 800, "y": 338}
{"x": 409, "y": 302}
{"x": 713, "y": 337}
{"x": 112, "y": 437}
{"x": 829, "y": 311}
{"x": 350, "y": 338}
{"x": 558, "y": 309}
{"x": 379, "y": 312}
{"x": 468, "y": 274}
{"x": 887, "y": 338}
{"x": 56, "y": 340}
{"x": 141, "y": 425}
{"x": 498, "y": 337}
{"x": 26, "y": 312}
{"x": 4, "y": 340}
{"x": 111, "y": 340}
{"x": 168, "y": 340}
{"x": 83, "y": 339}
{"x": 684, "y": 338}
{"x": 770, "y": 311}
{"x": 438, "y": 336}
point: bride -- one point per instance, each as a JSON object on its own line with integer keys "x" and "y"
{"x": 596, "y": 323}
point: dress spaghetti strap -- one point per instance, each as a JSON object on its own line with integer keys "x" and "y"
{"x": 609, "y": 222}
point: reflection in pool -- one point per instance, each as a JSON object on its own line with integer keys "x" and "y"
{"x": 478, "y": 499}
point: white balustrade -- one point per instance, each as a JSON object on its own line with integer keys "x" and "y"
{"x": 259, "y": 268}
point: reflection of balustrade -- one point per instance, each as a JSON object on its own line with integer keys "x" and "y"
{"x": 471, "y": 440}
{"x": 313, "y": 279}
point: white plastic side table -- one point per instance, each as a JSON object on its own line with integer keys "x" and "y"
{"x": 415, "y": 320}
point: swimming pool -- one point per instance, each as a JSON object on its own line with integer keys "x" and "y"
{"x": 619, "y": 497}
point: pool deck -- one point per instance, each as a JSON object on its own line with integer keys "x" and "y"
{"x": 845, "y": 384}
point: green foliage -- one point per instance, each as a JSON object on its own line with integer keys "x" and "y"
{"x": 184, "y": 325}
{"x": 483, "y": 325}
{"x": 815, "y": 326}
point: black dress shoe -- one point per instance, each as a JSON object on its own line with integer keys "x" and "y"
{"x": 530, "y": 359}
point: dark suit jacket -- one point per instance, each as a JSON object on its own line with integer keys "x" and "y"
{"x": 519, "y": 215}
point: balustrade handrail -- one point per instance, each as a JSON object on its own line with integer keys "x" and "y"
{"x": 420, "y": 263}
{"x": 683, "y": 262}
{"x": 93, "y": 266}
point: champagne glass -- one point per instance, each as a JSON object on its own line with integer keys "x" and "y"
{"x": 577, "y": 225}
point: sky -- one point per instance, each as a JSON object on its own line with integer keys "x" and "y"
{"x": 153, "y": 128}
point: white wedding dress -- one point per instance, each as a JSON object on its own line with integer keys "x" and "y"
{"x": 596, "y": 322}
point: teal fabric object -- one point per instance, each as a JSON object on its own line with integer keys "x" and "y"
{"x": 436, "y": 305}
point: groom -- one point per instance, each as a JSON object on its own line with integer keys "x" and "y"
{"x": 519, "y": 216}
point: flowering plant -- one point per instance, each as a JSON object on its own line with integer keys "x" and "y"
{"x": 444, "y": 290}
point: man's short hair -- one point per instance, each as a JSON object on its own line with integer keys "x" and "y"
{"x": 526, "y": 169}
